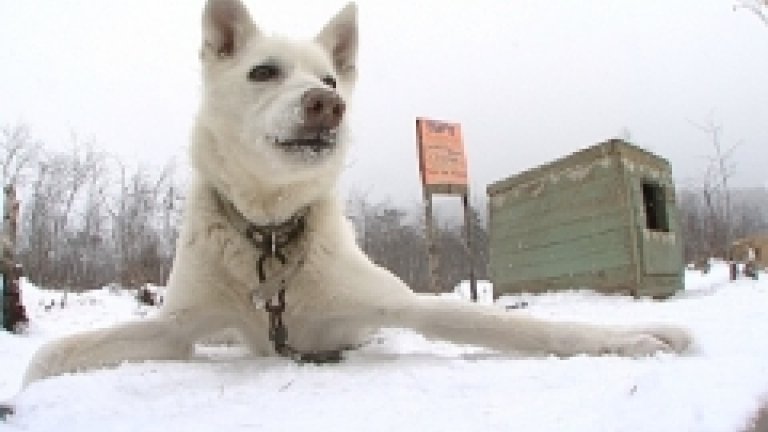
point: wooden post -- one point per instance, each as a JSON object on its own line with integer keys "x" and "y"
{"x": 468, "y": 243}
{"x": 15, "y": 316}
{"x": 432, "y": 257}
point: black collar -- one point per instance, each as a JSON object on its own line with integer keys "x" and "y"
{"x": 270, "y": 239}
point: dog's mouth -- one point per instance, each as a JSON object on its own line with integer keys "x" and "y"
{"x": 308, "y": 144}
{"x": 315, "y": 145}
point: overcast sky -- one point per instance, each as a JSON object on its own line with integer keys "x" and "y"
{"x": 529, "y": 80}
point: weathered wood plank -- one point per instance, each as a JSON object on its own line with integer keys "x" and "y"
{"x": 557, "y": 197}
{"x": 612, "y": 280}
{"x": 512, "y": 238}
{"x": 590, "y": 253}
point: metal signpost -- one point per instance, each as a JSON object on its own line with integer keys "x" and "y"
{"x": 443, "y": 168}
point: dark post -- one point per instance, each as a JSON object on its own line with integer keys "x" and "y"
{"x": 470, "y": 255}
{"x": 14, "y": 316}
{"x": 432, "y": 257}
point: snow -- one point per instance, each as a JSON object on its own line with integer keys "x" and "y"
{"x": 403, "y": 382}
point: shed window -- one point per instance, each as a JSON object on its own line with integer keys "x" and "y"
{"x": 654, "y": 201}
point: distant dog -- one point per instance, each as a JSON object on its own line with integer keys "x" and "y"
{"x": 265, "y": 248}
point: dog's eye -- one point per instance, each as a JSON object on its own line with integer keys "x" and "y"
{"x": 329, "y": 81}
{"x": 264, "y": 72}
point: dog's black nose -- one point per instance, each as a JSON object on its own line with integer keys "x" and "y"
{"x": 323, "y": 109}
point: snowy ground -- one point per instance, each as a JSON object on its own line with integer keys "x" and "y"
{"x": 400, "y": 382}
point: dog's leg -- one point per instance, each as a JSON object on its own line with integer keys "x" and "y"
{"x": 468, "y": 323}
{"x": 168, "y": 337}
{"x": 386, "y": 302}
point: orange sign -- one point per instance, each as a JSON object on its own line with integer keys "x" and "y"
{"x": 441, "y": 153}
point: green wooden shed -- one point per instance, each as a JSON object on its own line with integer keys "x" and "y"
{"x": 602, "y": 218}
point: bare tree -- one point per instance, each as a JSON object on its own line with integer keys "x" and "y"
{"x": 80, "y": 228}
{"x": 757, "y": 7}
{"x": 145, "y": 214}
{"x": 18, "y": 150}
{"x": 749, "y": 216}
{"x": 56, "y": 222}
{"x": 114, "y": 203}
{"x": 716, "y": 189}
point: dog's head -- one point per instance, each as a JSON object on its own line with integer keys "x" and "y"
{"x": 273, "y": 110}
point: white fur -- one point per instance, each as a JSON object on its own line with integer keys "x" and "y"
{"x": 338, "y": 296}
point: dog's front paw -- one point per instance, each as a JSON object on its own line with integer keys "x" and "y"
{"x": 53, "y": 358}
{"x": 648, "y": 341}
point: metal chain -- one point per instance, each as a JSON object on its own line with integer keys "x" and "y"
{"x": 270, "y": 240}
{"x": 278, "y": 334}
{"x": 277, "y": 331}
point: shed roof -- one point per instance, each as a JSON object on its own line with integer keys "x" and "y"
{"x": 612, "y": 147}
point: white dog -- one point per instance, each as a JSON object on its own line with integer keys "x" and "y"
{"x": 265, "y": 248}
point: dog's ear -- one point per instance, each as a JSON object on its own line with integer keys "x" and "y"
{"x": 227, "y": 26}
{"x": 339, "y": 38}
